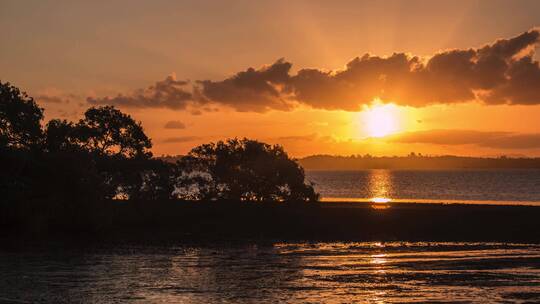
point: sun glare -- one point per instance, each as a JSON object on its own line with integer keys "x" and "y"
{"x": 380, "y": 200}
{"x": 380, "y": 120}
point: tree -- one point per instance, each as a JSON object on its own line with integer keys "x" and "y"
{"x": 245, "y": 170}
{"x": 20, "y": 119}
{"x": 61, "y": 135}
{"x": 108, "y": 131}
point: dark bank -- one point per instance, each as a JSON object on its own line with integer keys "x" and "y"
{"x": 189, "y": 222}
{"x": 96, "y": 179}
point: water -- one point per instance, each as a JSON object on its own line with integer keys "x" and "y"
{"x": 279, "y": 273}
{"x": 370, "y": 272}
{"x": 453, "y": 186}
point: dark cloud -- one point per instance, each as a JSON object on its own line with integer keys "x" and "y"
{"x": 305, "y": 139}
{"x": 169, "y": 93}
{"x": 363, "y": 80}
{"x": 181, "y": 139}
{"x": 49, "y": 99}
{"x": 521, "y": 86}
{"x": 46, "y": 98}
{"x": 514, "y": 141}
{"x": 196, "y": 112}
{"x": 309, "y": 137}
{"x": 445, "y": 137}
{"x": 498, "y": 140}
{"x": 174, "y": 124}
{"x": 498, "y": 73}
{"x": 256, "y": 90}
{"x": 503, "y": 72}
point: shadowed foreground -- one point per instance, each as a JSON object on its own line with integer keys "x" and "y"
{"x": 173, "y": 221}
{"x": 327, "y": 272}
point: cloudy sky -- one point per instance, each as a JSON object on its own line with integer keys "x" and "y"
{"x": 319, "y": 77}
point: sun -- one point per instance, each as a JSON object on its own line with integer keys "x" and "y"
{"x": 380, "y": 120}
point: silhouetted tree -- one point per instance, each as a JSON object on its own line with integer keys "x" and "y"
{"x": 65, "y": 174}
{"x": 61, "y": 135}
{"x": 245, "y": 170}
{"x": 20, "y": 118}
{"x": 119, "y": 146}
{"x": 108, "y": 131}
{"x": 157, "y": 181}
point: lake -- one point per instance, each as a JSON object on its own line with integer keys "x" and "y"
{"x": 279, "y": 273}
{"x": 520, "y": 187}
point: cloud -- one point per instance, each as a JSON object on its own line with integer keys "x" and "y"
{"x": 309, "y": 137}
{"x": 445, "y": 137}
{"x": 503, "y": 72}
{"x": 169, "y": 93}
{"x": 515, "y": 141}
{"x": 181, "y": 139}
{"x": 256, "y": 90}
{"x": 175, "y": 124}
{"x": 51, "y": 99}
{"x": 496, "y": 140}
{"x": 306, "y": 139}
{"x": 54, "y": 95}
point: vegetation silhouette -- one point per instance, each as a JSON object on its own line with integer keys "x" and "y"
{"x": 244, "y": 170}
{"x": 69, "y": 173}
{"x": 96, "y": 178}
{"x": 20, "y": 119}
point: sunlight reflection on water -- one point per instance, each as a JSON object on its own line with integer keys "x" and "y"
{"x": 379, "y": 184}
{"x": 283, "y": 273}
{"x": 500, "y": 187}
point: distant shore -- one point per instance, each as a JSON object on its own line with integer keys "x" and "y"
{"x": 415, "y": 162}
{"x": 410, "y": 162}
{"x": 186, "y": 222}
{"x": 432, "y": 201}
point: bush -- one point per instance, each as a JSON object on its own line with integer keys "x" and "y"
{"x": 245, "y": 170}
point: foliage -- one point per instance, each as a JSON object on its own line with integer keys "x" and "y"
{"x": 64, "y": 173}
{"x": 245, "y": 170}
{"x": 61, "y": 135}
{"x": 108, "y": 131}
{"x": 20, "y": 118}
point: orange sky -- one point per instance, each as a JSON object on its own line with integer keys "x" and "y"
{"x": 182, "y": 69}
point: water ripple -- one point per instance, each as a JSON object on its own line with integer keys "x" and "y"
{"x": 283, "y": 273}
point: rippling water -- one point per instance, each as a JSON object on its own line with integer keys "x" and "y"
{"x": 281, "y": 273}
{"x": 468, "y": 186}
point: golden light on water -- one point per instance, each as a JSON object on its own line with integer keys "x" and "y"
{"x": 380, "y": 206}
{"x": 378, "y": 259}
{"x": 380, "y": 184}
{"x": 380, "y": 200}
{"x": 379, "y": 190}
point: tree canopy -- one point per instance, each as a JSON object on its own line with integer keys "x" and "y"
{"x": 117, "y": 157}
{"x": 64, "y": 170}
{"x": 20, "y": 118}
{"x": 246, "y": 170}
{"x": 107, "y": 130}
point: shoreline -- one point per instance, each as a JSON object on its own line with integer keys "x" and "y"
{"x": 174, "y": 222}
{"x": 352, "y": 200}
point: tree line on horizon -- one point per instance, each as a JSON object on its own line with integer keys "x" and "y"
{"x": 415, "y": 161}
{"x": 69, "y": 168}
{"x": 411, "y": 161}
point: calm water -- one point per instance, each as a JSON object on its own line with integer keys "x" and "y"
{"x": 305, "y": 272}
{"x": 282, "y": 273}
{"x": 469, "y": 186}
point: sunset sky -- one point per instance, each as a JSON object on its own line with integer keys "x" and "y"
{"x": 318, "y": 77}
